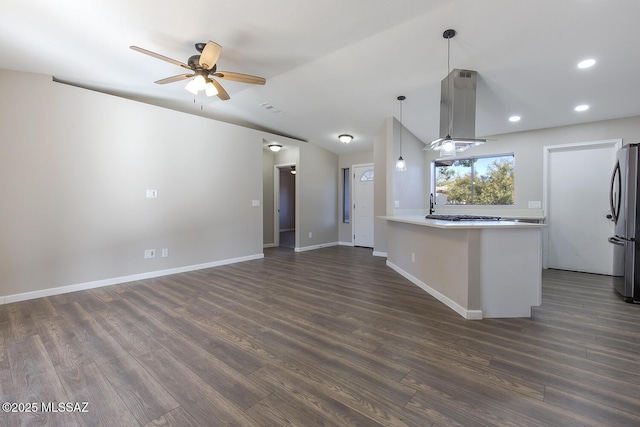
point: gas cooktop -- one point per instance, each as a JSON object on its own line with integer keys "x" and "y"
{"x": 464, "y": 217}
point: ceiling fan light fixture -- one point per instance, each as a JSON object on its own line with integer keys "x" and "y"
{"x": 275, "y": 147}
{"x": 345, "y": 138}
{"x": 200, "y": 81}
{"x": 210, "y": 89}
{"x": 192, "y": 87}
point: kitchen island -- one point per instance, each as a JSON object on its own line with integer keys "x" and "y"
{"x": 480, "y": 269}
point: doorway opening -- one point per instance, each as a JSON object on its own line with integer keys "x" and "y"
{"x": 285, "y": 206}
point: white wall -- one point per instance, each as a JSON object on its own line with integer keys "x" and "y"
{"x": 408, "y": 186}
{"x": 390, "y": 186}
{"x": 317, "y": 196}
{"x": 380, "y": 159}
{"x": 268, "y": 210}
{"x": 316, "y": 193}
{"x": 74, "y": 169}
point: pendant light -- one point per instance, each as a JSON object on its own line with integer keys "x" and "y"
{"x": 448, "y": 147}
{"x": 401, "y": 164}
{"x": 464, "y": 125}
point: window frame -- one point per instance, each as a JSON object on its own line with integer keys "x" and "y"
{"x": 346, "y": 195}
{"x": 482, "y": 156}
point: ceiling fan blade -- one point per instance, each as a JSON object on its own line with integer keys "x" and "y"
{"x": 174, "y": 79}
{"x": 222, "y": 94}
{"x": 161, "y": 57}
{"x": 239, "y": 77}
{"x": 210, "y": 55}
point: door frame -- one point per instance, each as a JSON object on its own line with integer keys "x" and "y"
{"x": 546, "y": 155}
{"x": 276, "y": 203}
{"x": 351, "y": 198}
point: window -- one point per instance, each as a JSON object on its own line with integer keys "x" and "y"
{"x": 367, "y": 175}
{"x": 346, "y": 196}
{"x": 475, "y": 180}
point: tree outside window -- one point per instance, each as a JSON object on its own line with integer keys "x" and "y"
{"x": 476, "y": 180}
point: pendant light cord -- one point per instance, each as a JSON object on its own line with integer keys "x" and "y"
{"x": 400, "y": 127}
{"x": 449, "y": 34}
{"x": 448, "y": 87}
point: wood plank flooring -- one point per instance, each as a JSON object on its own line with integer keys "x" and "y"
{"x": 326, "y": 337}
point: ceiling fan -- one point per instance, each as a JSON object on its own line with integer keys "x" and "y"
{"x": 202, "y": 68}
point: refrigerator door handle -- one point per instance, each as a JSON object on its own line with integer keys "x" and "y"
{"x": 616, "y": 241}
{"x": 615, "y": 193}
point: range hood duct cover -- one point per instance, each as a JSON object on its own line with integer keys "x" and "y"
{"x": 458, "y": 110}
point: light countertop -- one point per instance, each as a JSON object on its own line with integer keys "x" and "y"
{"x": 421, "y": 220}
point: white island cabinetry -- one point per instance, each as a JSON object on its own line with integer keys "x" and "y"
{"x": 480, "y": 269}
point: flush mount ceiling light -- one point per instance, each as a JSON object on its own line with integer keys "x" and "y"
{"x": 583, "y": 107}
{"x": 514, "y": 118}
{"x": 274, "y": 147}
{"x": 587, "y": 63}
{"x": 401, "y": 165}
{"x": 457, "y": 109}
{"x": 345, "y": 138}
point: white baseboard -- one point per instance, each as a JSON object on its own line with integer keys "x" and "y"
{"x": 122, "y": 279}
{"x": 345, "y": 243}
{"x": 467, "y": 314}
{"x": 310, "y": 248}
{"x": 381, "y": 254}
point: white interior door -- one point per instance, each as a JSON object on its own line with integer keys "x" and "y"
{"x": 578, "y": 178}
{"x": 363, "y": 206}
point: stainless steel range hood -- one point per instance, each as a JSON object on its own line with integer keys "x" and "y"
{"x": 457, "y": 113}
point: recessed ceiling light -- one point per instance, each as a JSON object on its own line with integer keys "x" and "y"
{"x": 587, "y": 63}
{"x": 583, "y": 107}
{"x": 514, "y": 118}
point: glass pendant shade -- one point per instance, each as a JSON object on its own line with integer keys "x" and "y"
{"x": 401, "y": 164}
{"x": 192, "y": 87}
{"x": 210, "y": 89}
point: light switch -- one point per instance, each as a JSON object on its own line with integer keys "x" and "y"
{"x": 255, "y": 203}
{"x": 397, "y": 204}
{"x": 152, "y": 194}
{"x": 536, "y": 204}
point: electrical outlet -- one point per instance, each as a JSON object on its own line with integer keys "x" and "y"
{"x": 310, "y": 234}
{"x": 165, "y": 252}
{"x": 149, "y": 253}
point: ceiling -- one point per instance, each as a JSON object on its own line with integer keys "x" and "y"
{"x": 337, "y": 66}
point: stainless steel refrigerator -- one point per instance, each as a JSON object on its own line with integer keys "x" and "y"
{"x": 624, "y": 200}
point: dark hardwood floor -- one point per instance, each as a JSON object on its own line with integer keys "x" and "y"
{"x": 325, "y": 337}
